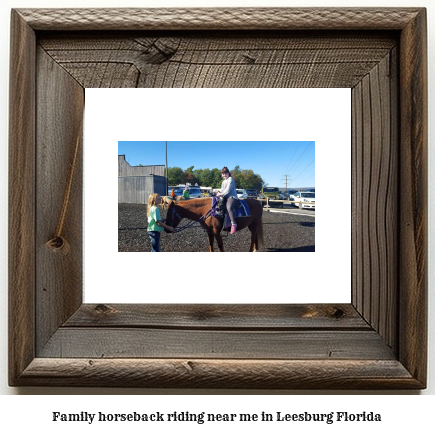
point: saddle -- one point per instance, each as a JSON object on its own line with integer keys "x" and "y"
{"x": 240, "y": 209}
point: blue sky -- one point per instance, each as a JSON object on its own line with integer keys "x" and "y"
{"x": 273, "y": 161}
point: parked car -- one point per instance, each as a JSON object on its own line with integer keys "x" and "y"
{"x": 252, "y": 193}
{"x": 306, "y": 199}
{"x": 206, "y": 191}
{"x": 271, "y": 192}
{"x": 194, "y": 192}
{"x": 178, "y": 191}
{"x": 241, "y": 193}
{"x": 290, "y": 194}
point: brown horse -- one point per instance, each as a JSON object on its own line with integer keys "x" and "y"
{"x": 194, "y": 209}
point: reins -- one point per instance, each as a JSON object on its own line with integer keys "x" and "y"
{"x": 204, "y": 217}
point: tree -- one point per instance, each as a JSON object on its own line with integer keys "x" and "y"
{"x": 205, "y": 178}
{"x": 248, "y": 179}
{"x": 216, "y": 178}
{"x": 259, "y": 183}
{"x": 244, "y": 178}
{"x": 197, "y": 176}
{"x": 235, "y": 174}
{"x": 175, "y": 175}
{"x": 187, "y": 176}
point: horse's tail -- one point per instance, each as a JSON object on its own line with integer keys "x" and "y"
{"x": 260, "y": 238}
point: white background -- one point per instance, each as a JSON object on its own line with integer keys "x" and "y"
{"x": 320, "y": 115}
{"x": 404, "y": 413}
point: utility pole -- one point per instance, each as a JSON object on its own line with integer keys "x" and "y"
{"x": 166, "y": 155}
{"x": 286, "y": 182}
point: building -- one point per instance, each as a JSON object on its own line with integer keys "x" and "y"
{"x": 136, "y": 183}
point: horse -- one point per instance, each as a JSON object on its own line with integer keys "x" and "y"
{"x": 194, "y": 209}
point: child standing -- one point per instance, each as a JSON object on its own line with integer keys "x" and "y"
{"x": 155, "y": 224}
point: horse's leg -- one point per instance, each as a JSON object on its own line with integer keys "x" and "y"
{"x": 254, "y": 237}
{"x": 254, "y": 243}
{"x": 210, "y": 234}
{"x": 210, "y": 240}
{"x": 219, "y": 241}
{"x": 215, "y": 227}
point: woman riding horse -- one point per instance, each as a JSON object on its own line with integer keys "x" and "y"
{"x": 229, "y": 195}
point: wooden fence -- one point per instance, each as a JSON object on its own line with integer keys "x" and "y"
{"x": 279, "y": 201}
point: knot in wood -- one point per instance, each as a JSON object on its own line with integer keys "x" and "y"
{"x": 338, "y": 313}
{"x": 58, "y": 244}
{"x": 103, "y": 309}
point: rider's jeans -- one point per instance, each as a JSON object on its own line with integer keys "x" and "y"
{"x": 230, "y": 204}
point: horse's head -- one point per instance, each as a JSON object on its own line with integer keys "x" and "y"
{"x": 172, "y": 217}
{"x": 165, "y": 201}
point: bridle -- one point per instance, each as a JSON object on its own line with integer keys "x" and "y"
{"x": 204, "y": 217}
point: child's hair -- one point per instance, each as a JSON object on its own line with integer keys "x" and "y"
{"x": 151, "y": 202}
{"x": 225, "y": 170}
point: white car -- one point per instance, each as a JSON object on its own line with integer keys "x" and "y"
{"x": 305, "y": 199}
{"x": 291, "y": 196}
{"x": 241, "y": 193}
{"x": 194, "y": 192}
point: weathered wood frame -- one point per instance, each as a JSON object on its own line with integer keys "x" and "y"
{"x": 377, "y": 341}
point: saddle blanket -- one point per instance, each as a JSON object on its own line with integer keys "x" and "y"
{"x": 239, "y": 211}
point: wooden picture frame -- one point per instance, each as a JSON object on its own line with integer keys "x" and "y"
{"x": 376, "y": 342}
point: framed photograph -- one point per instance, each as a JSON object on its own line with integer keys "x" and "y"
{"x": 377, "y": 341}
{"x": 244, "y": 129}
